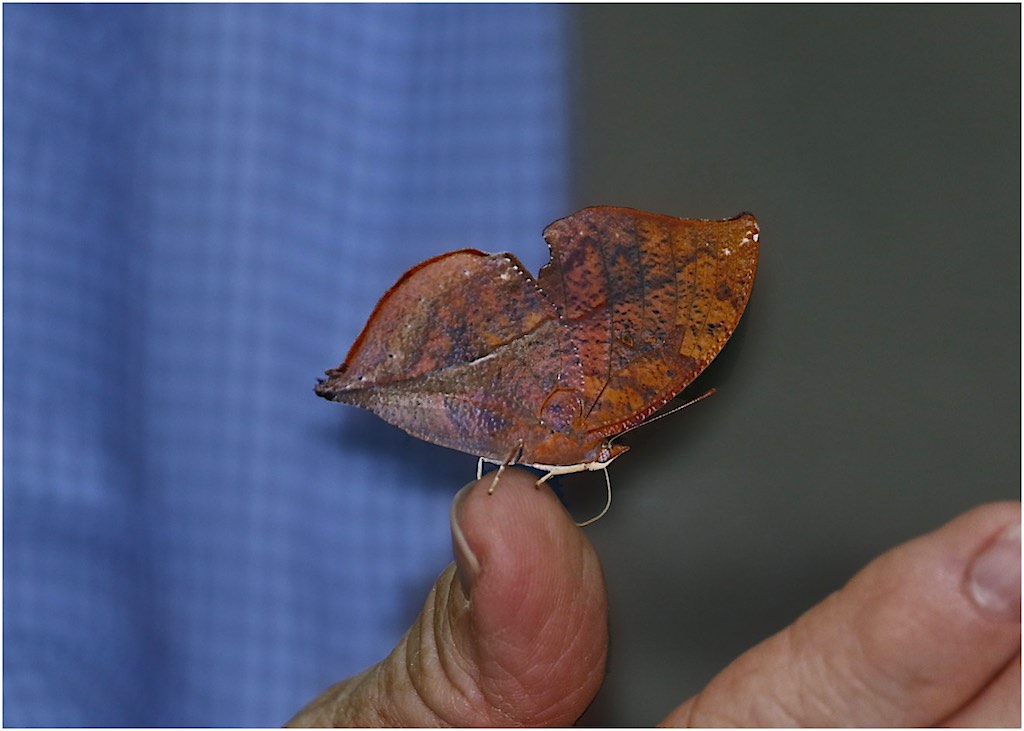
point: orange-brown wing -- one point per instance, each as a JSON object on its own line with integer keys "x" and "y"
{"x": 463, "y": 351}
{"x": 650, "y": 301}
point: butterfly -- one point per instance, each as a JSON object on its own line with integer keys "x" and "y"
{"x": 468, "y": 350}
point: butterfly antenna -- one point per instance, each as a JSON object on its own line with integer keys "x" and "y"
{"x": 653, "y": 419}
{"x": 607, "y": 505}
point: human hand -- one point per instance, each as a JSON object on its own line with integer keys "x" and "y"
{"x": 514, "y": 633}
{"x": 928, "y": 634}
{"x": 916, "y": 638}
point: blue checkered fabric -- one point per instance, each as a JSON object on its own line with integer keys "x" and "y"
{"x": 202, "y": 204}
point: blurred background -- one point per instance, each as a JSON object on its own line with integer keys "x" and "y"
{"x": 202, "y": 204}
{"x": 872, "y": 391}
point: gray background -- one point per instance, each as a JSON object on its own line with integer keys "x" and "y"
{"x": 872, "y": 391}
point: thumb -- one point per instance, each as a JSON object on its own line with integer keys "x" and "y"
{"x": 514, "y": 633}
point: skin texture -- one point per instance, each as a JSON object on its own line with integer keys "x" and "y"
{"x": 515, "y": 633}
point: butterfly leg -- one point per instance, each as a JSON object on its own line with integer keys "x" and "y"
{"x": 511, "y": 459}
{"x": 544, "y": 479}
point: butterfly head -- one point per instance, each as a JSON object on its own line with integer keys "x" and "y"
{"x": 606, "y": 454}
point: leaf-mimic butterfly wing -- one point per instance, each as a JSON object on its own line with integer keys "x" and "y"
{"x": 463, "y": 351}
{"x": 649, "y": 301}
{"x": 468, "y": 351}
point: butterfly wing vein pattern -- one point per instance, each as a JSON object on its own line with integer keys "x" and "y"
{"x": 650, "y": 300}
{"x": 455, "y": 352}
{"x": 469, "y": 351}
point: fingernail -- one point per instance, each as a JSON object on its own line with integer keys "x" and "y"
{"x": 466, "y": 564}
{"x": 993, "y": 579}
